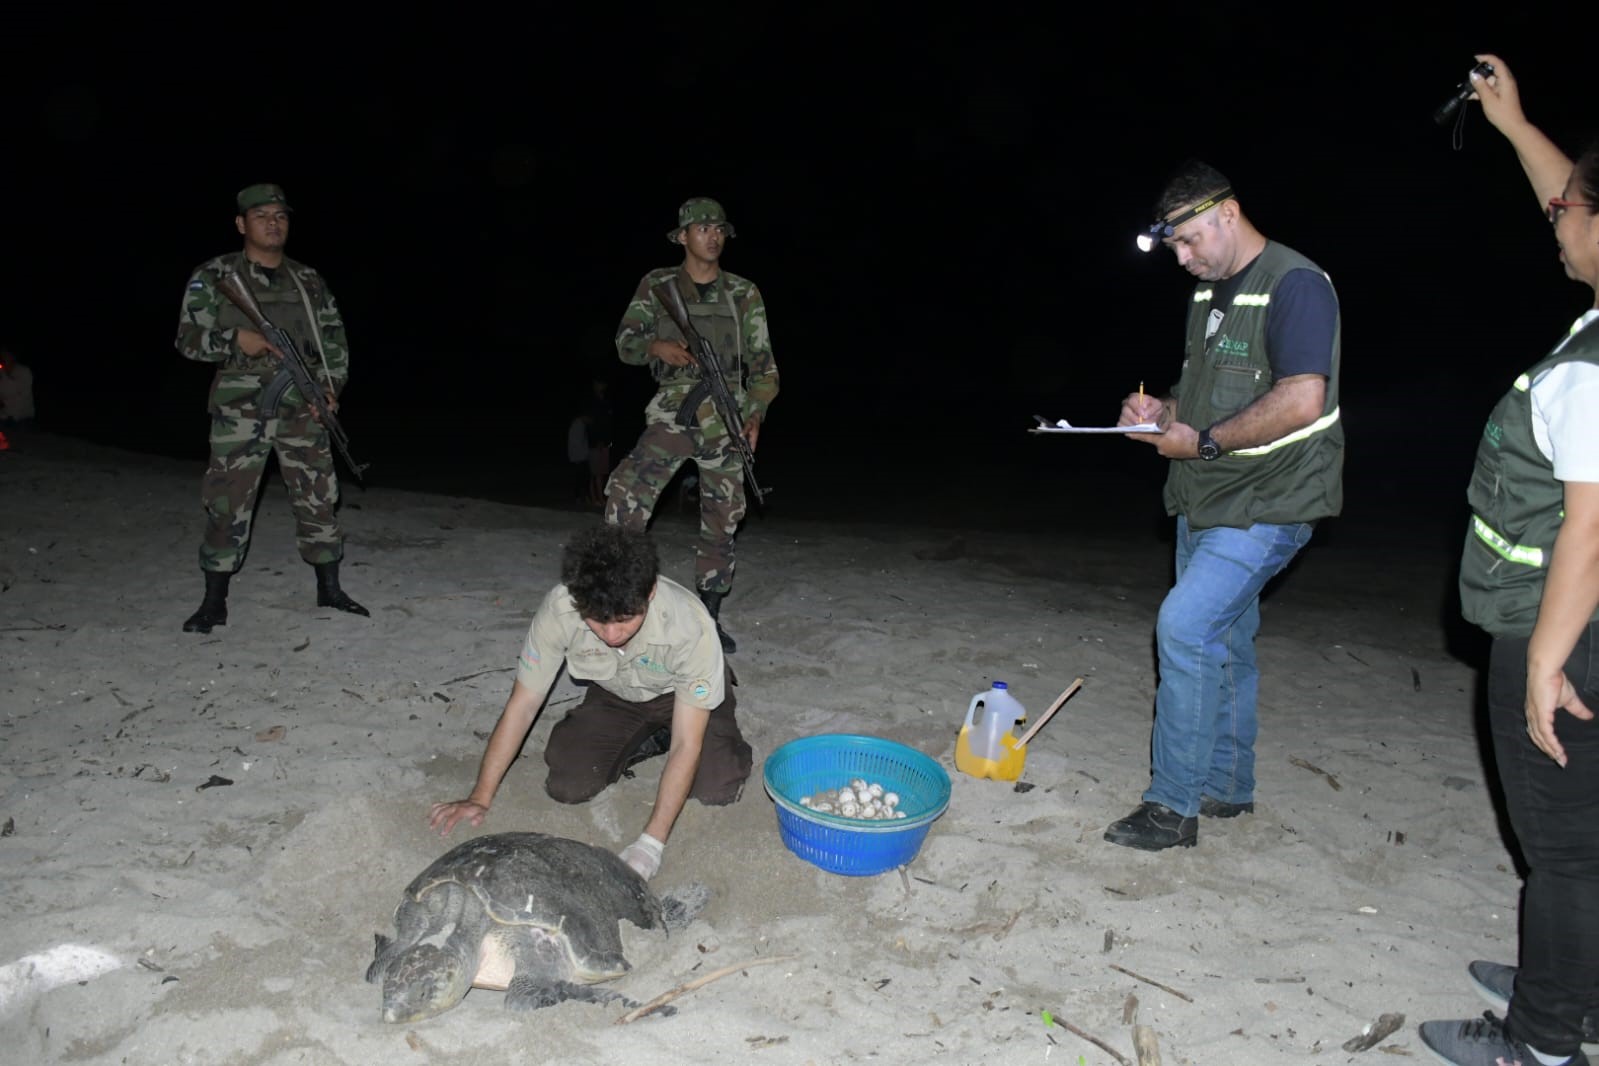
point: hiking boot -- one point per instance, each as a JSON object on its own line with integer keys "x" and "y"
{"x": 1154, "y": 827}
{"x": 1494, "y": 982}
{"x": 713, "y": 603}
{"x": 214, "y": 608}
{"x": 1480, "y": 1042}
{"x": 329, "y": 594}
{"x": 1215, "y": 808}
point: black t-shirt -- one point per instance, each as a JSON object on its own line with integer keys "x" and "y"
{"x": 1300, "y": 320}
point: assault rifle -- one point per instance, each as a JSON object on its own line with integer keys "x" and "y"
{"x": 711, "y": 378}
{"x": 235, "y": 288}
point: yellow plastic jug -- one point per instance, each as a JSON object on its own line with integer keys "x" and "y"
{"x": 985, "y": 747}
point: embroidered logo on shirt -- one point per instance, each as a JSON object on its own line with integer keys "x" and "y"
{"x": 702, "y": 690}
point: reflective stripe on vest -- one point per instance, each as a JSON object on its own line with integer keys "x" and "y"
{"x": 1324, "y": 422}
{"x": 1516, "y": 553}
{"x": 1202, "y": 295}
{"x": 1245, "y": 299}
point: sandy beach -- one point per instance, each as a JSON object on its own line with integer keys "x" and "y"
{"x": 202, "y": 834}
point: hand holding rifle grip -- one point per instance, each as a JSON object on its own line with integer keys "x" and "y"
{"x": 711, "y": 373}
{"x": 235, "y": 288}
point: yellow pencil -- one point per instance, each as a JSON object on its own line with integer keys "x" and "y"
{"x": 1140, "y": 390}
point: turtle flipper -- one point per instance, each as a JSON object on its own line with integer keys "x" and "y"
{"x": 531, "y": 993}
{"x": 374, "y": 972}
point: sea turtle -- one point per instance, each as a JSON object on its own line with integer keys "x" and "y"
{"x": 536, "y": 915}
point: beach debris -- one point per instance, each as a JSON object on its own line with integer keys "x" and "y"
{"x": 1313, "y": 768}
{"x": 758, "y": 1042}
{"x": 159, "y": 776}
{"x": 1024, "y": 786}
{"x": 480, "y": 673}
{"x": 1148, "y": 981}
{"x": 1055, "y": 1019}
{"x": 905, "y": 879}
{"x": 1110, "y": 942}
{"x": 688, "y": 986}
{"x": 1396, "y": 836}
{"x": 302, "y": 647}
{"x": 1415, "y": 678}
{"x": 9, "y": 828}
{"x": 1146, "y": 1045}
{"x": 151, "y": 964}
{"x": 268, "y": 735}
{"x": 1130, "y": 1009}
{"x": 1375, "y": 1032}
{"x": 861, "y": 799}
{"x": 213, "y": 782}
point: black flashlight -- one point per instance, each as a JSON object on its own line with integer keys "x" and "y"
{"x": 1462, "y": 93}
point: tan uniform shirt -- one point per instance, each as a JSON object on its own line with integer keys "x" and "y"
{"x": 675, "y": 651}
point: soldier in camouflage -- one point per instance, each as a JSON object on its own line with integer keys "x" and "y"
{"x": 681, "y": 421}
{"x": 255, "y": 408}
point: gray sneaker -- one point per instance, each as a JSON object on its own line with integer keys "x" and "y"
{"x": 1494, "y": 982}
{"x": 1480, "y": 1042}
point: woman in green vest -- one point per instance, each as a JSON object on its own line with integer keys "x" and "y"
{"x": 1529, "y": 576}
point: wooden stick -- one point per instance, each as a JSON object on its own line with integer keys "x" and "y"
{"x": 1096, "y": 1041}
{"x": 1147, "y": 981}
{"x": 1047, "y": 715}
{"x": 1146, "y": 1045}
{"x": 688, "y": 986}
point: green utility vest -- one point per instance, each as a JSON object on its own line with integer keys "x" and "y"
{"x": 1516, "y": 506}
{"x": 715, "y": 318}
{"x": 1298, "y": 478}
{"x": 283, "y": 306}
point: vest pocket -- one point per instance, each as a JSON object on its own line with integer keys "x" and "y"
{"x": 1233, "y": 389}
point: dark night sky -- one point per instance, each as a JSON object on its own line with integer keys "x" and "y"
{"x": 939, "y": 210}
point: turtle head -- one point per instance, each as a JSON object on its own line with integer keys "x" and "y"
{"x": 422, "y": 981}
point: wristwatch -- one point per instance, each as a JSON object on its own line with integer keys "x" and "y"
{"x": 1208, "y": 448}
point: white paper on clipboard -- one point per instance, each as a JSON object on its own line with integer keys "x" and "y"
{"x": 1063, "y": 426}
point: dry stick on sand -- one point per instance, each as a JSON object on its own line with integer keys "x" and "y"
{"x": 1047, "y": 715}
{"x": 688, "y": 986}
{"x": 1147, "y": 981}
{"x": 1146, "y": 1045}
{"x": 1092, "y": 1039}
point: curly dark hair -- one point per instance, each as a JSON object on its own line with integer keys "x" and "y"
{"x": 610, "y": 571}
{"x": 1192, "y": 182}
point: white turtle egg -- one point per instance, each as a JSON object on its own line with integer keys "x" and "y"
{"x": 891, "y": 799}
{"x": 876, "y": 790}
{"x": 858, "y": 783}
{"x": 805, "y": 801}
{"x": 846, "y": 795}
{"x": 899, "y": 814}
{"x": 849, "y": 810}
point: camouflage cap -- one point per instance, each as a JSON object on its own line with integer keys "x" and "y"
{"x": 256, "y": 195}
{"x": 700, "y": 209}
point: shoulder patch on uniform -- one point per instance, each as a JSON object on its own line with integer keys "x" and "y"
{"x": 702, "y": 689}
{"x": 196, "y": 285}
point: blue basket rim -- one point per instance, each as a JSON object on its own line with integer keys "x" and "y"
{"x": 857, "y": 741}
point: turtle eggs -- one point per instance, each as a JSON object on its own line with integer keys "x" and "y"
{"x": 860, "y": 799}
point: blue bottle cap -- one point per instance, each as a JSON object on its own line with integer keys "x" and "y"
{"x": 1001, "y": 684}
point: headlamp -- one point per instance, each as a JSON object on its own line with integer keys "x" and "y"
{"x": 1165, "y": 227}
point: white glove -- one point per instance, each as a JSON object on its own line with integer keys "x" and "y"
{"x": 644, "y": 855}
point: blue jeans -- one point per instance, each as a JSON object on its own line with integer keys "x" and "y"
{"x": 1555, "y": 815}
{"x": 1205, "y": 719}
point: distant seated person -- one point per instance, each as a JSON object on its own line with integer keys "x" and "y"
{"x": 657, "y": 682}
{"x": 16, "y": 391}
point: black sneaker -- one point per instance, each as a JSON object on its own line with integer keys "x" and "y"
{"x": 1480, "y": 1042}
{"x": 1154, "y": 827}
{"x": 1215, "y": 808}
{"x": 1494, "y": 982}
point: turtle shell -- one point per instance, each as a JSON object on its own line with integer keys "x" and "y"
{"x": 575, "y": 892}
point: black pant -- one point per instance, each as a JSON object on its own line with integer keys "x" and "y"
{"x": 1555, "y": 815}
{"x": 589, "y": 748}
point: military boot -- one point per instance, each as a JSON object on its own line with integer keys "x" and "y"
{"x": 328, "y": 593}
{"x": 214, "y": 608}
{"x": 713, "y": 603}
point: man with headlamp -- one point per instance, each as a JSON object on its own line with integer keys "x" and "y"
{"x": 1256, "y": 447}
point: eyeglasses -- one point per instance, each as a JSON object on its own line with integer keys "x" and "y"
{"x": 1557, "y": 207}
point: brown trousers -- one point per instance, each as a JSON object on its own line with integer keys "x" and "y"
{"x": 590, "y": 747}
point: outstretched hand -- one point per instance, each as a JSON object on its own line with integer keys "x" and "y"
{"x": 444, "y": 816}
{"x": 1500, "y": 99}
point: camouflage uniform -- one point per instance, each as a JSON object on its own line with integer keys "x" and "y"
{"x": 730, "y": 314}
{"x": 255, "y": 409}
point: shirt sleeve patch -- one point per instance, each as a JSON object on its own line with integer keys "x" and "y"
{"x": 702, "y": 689}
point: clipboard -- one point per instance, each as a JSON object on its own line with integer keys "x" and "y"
{"x": 1063, "y": 426}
